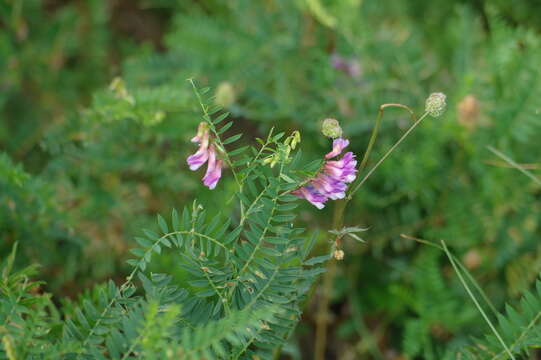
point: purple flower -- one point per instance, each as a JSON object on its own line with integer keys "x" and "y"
{"x": 338, "y": 145}
{"x": 331, "y": 182}
{"x": 344, "y": 169}
{"x": 350, "y": 67}
{"x": 329, "y": 187}
{"x": 214, "y": 170}
{"x": 309, "y": 193}
{"x": 201, "y": 156}
{"x": 206, "y": 152}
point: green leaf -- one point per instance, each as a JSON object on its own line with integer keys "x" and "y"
{"x": 205, "y": 293}
{"x": 277, "y": 240}
{"x": 137, "y": 252}
{"x": 225, "y": 127}
{"x": 151, "y": 235}
{"x": 145, "y": 243}
{"x": 232, "y": 139}
{"x": 233, "y": 235}
{"x": 287, "y": 178}
{"x": 220, "y": 118}
{"x": 166, "y": 242}
{"x": 238, "y": 151}
{"x": 309, "y": 245}
{"x": 175, "y": 220}
{"x": 317, "y": 260}
{"x": 162, "y": 224}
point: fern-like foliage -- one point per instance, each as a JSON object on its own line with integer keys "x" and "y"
{"x": 519, "y": 327}
{"x": 437, "y": 315}
{"x": 29, "y": 321}
{"x": 248, "y": 271}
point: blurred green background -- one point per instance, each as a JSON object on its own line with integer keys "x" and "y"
{"x": 85, "y": 165}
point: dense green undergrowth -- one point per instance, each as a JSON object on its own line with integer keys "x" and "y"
{"x": 95, "y": 123}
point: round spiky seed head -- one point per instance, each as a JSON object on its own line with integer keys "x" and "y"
{"x": 331, "y": 128}
{"x": 338, "y": 254}
{"x": 435, "y": 104}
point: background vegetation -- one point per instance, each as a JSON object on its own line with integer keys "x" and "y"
{"x": 87, "y": 161}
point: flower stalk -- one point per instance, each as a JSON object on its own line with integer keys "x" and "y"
{"x": 338, "y": 215}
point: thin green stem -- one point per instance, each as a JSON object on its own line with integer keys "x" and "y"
{"x": 209, "y": 280}
{"x": 374, "y": 134}
{"x": 260, "y": 240}
{"x": 474, "y": 299}
{"x": 462, "y": 268}
{"x": 338, "y": 221}
{"x": 250, "y": 208}
{"x": 250, "y": 304}
{"x": 360, "y": 326}
{"x": 515, "y": 165}
{"x": 263, "y": 148}
{"x": 384, "y": 157}
{"x": 217, "y": 139}
{"x": 522, "y": 335}
{"x": 328, "y": 279}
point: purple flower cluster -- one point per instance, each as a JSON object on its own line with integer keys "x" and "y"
{"x": 350, "y": 67}
{"x": 331, "y": 182}
{"x": 206, "y": 152}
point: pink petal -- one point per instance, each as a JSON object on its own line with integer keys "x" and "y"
{"x": 196, "y": 160}
{"x": 214, "y": 170}
{"x": 338, "y": 145}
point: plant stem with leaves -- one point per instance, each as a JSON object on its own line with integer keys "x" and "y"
{"x": 322, "y": 318}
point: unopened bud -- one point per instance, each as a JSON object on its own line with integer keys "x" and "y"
{"x": 154, "y": 120}
{"x": 118, "y": 87}
{"x": 268, "y": 160}
{"x": 271, "y": 160}
{"x": 331, "y": 128}
{"x": 338, "y": 254}
{"x": 468, "y": 112}
{"x": 225, "y": 94}
{"x": 202, "y": 128}
{"x": 295, "y": 139}
{"x": 435, "y": 104}
{"x": 472, "y": 259}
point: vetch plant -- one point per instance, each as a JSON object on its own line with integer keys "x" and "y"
{"x": 92, "y": 178}
{"x": 249, "y": 271}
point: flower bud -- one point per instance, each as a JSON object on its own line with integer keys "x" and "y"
{"x": 331, "y": 128}
{"x": 468, "y": 112}
{"x": 295, "y": 139}
{"x": 338, "y": 254}
{"x": 271, "y": 160}
{"x": 267, "y": 160}
{"x": 472, "y": 259}
{"x": 435, "y": 104}
{"x": 225, "y": 94}
{"x": 154, "y": 120}
{"x": 118, "y": 87}
{"x": 202, "y": 128}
